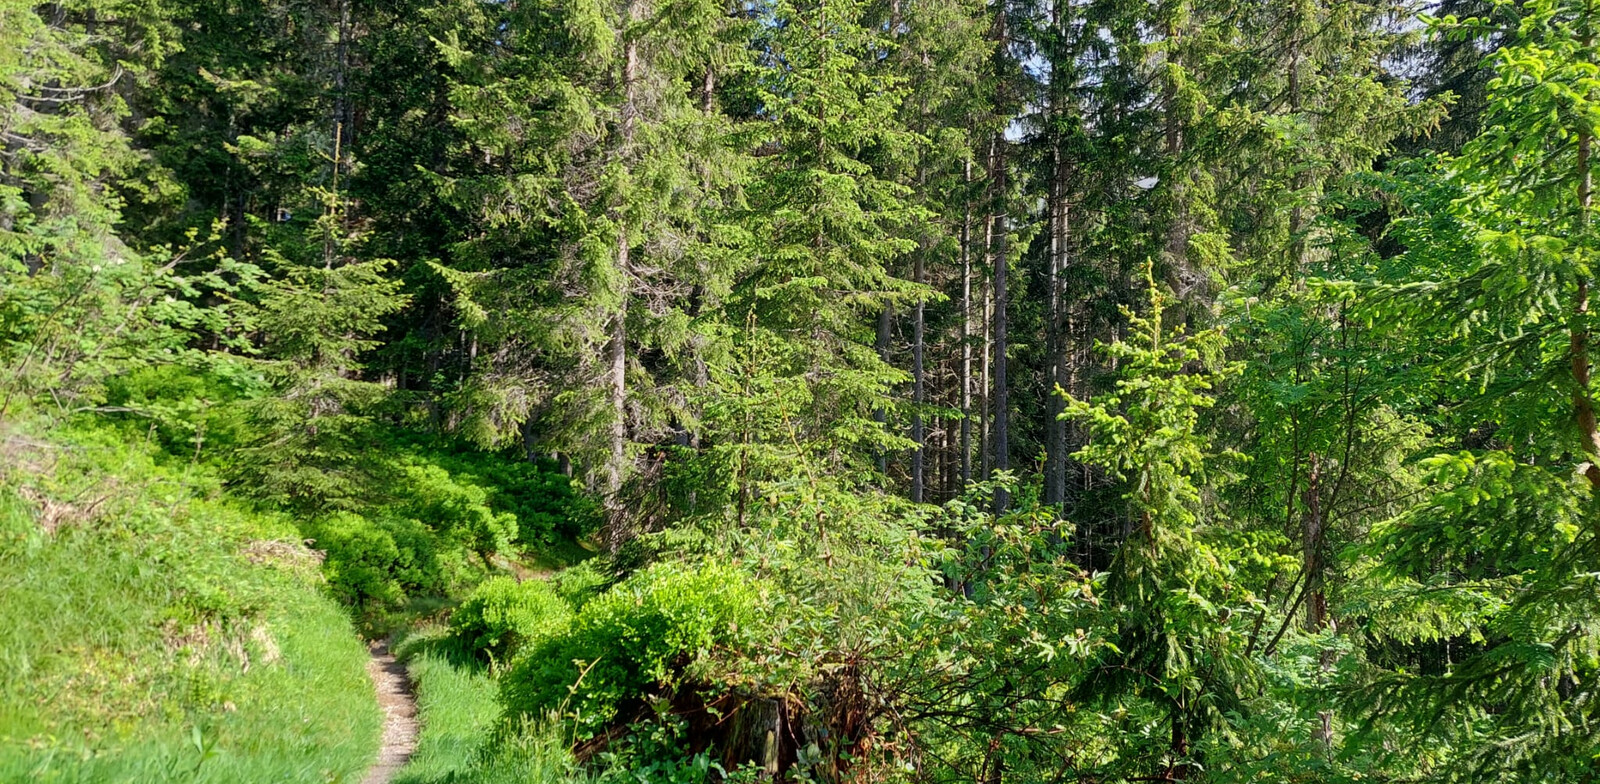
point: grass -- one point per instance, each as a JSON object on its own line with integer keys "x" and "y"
{"x": 456, "y": 698}
{"x": 456, "y": 702}
{"x": 156, "y": 631}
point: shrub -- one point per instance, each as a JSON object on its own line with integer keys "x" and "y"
{"x": 453, "y": 506}
{"x": 503, "y": 615}
{"x": 420, "y": 540}
{"x": 545, "y": 502}
{"x": 377, "y": 562}
{"x": 190, "y": 412}
{"x": 643, "y": 632}
{"x": 543, "y": 499}
{"x": 578, "y": 584}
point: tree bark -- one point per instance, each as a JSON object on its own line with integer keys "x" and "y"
{"x": 965, "y": 380}
{"x": 1179, "y": 277}
{"x": 917, "y": 387}
{"x": 885, "y": 321}
{"x": 616, "y": 373}
{"x": 1055, "y": 430}
{"x": 1582, "y": 401}
{"x": 1001, "y": 400}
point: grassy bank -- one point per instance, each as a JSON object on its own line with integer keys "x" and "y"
{"x": 456, "y": 697}
{"x": 158, "y": 631}
{"x": 456, "y": 701}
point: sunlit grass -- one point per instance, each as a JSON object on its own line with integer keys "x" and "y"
{"x": 161, "y": 633}
{"x": 456, "y": 697}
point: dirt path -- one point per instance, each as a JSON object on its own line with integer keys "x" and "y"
{"x": 399, "y": 714}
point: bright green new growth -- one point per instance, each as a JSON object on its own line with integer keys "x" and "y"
{"x": 1174, "y": 651}
{"x": 503, "y": 616}
{"x": 634, "y": 641}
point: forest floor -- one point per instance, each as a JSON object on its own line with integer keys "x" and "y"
{"x": 399, "y": 704}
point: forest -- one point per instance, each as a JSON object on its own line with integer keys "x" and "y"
{"x": 804, "y": 391}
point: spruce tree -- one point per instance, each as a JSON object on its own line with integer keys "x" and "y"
{"x": 594, "y": 173}
{"x": 1176, "y": 676}
{"x": 827, "y": 225}
{"x": 1494, "y": 289}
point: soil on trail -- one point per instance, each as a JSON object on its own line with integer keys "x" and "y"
{"x": 399, "y": 714}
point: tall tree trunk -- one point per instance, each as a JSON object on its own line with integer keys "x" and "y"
{"x": 341, "y": 69}
{"x": 338, "y": 119}
{"x": 1316, "y": 594}
{"x": 917, "y": 387}
{"x": 617, "y": 392}
{"x": 999, "y": 397}
{"x": 885, "y": 322}
{"x": 965, "y": 394}
{"x": 1001, "y": 400}
{"x": 1175, "y": 255}
{"x": 985, "y": 359}
{"x": 1582, "y": 401}
{"x": 616, "y": 374}
{"x": 1055, "y": 430}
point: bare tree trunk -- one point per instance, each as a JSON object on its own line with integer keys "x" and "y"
{"x": 617, "y": 391}
{"x": 1001, "y": 400}
{"x": 985, "y": 347}
{"x": 616, "y": 374}
{"x": 1180, "y": 278}
{"x": 917, "y": 384}
{"x": 338, "y": 120}
{"x": 341, "y": 102}
{"x": 1582, "y": 402}
{"x": 1055, "y": 430}
{"x": 1316, "y": 597}
{"x": 965, "y": 394}
{"x": 885, "y": 320}
{"x": 1317, "y": 617}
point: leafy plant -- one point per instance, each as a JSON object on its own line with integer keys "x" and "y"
{"x": 502, "y": 616}
{"x": 643, "y": 634}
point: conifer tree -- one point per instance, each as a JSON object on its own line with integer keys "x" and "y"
{"x": 1494, "y": 289}
{"x": 1176, "y": 674}
{"x": 322, "y": 310}
{"x": 80, "y": 300}
{"x": 827, "y": 223}
{"x": 601, "y": 174}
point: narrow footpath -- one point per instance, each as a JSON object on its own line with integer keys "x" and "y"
{"x": 399, "y": 714}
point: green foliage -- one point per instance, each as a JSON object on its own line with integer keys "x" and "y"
{"x": 382, "y": 561}
{"x": 654, "y": 752}
{"x": 503, "y": 616}
{"x": 306, "y": 449}
{"x": 1490, "y": 297}
{"x": 578, "y": 584}
{"x": 458, "y": 711}
{"x": 457, "y": 512}
{"x": 158, "y": 631}
{"x": 363, "y": 260}
{"x": 642, "y": 635}
{"x": 409, "y": 519}
{"x": 195, "y": 414}
{"x": 547, "y": 505}
{"x": 1175, "y": 658}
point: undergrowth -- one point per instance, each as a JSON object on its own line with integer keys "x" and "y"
{"x": 156, "y": 630}
{"x": 456, "y": 698}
